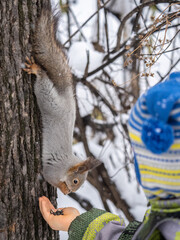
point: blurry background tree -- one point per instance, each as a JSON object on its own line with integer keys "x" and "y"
{"x": 123, "y": 48}
{"x": 20, "y": 138}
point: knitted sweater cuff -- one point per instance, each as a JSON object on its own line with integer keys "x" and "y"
{"x": 89, "y": 223}
{"x": 168, "y": 206}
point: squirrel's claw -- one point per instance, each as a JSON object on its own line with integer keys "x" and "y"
{"x": 32, "y": 60}
{"x": 31, "y": 66}
{"x": 28, "y": 60}
{"x": 27, "y": 65}
{"x": 26, "y": 70}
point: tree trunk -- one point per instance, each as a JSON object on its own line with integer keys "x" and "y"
{"x": 20, "y": 142}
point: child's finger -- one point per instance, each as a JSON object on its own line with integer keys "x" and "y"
{"x": 40, "y": 203}
{"x": 45, "y": 206}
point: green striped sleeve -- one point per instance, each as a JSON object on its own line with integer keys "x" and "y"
{"x": 89, "y": 223}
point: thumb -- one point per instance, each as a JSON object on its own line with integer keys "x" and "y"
{"x": 45, "y": 206}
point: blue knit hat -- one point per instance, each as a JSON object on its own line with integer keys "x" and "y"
{"x": 154, "y": 130}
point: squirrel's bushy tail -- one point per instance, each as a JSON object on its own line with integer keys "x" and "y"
{"x": 47, "y": 49}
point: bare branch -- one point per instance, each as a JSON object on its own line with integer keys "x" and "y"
{"x": 94, "y": 14}
{"x": 75, "y": 19}
{"x": 137, "y": 9}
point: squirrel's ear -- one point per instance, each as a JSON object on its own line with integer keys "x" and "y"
{"x": 85, "y": 166}
{"x": 88, "y": 165}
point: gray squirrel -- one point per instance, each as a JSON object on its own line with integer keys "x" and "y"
{"x": 55, "y": 96}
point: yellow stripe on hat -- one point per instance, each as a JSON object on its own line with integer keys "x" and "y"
{"x": 160, "y": 181}
{"x": 158, "y": 192}
{"x": 142, "y": 166}
{"x": 160, "y": 174}
{"x": 136, "y": 138}
{"x": 175, "y": 146}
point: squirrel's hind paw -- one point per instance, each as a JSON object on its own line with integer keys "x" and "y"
{"x": 31, "y": 66}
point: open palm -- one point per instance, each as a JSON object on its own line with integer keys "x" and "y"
{"x": 61, "y": 222}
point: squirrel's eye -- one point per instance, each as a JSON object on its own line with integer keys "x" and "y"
{"x": 75, "y": 181}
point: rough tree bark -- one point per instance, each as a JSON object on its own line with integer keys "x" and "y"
{"x": 20, "y": 141}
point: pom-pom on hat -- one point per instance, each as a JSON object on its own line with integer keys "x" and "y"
{"x": 154, "y": 130}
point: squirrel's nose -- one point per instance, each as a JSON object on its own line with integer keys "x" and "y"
{"x": 64, "y": 188}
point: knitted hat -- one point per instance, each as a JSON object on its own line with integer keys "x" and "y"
{"x": 154, "y": 130}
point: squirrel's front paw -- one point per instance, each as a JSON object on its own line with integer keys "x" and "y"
{"x": 31, "y": 66}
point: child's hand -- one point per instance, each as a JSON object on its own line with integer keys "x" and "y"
{"x": 61, "y": 222}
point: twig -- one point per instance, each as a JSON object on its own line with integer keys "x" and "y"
{"x": 137, "y": 18}
{"x": 75, "y": 19}
{"x": 98, "y": 93}
{"x": 69, "y": 20}
{"x": 170, "y": 19}
{"x": 162, "y": 78}
{"x": 121, "y": 53}
{"x": 134, "y": 11}
{"x": 87, "y": 65}
{"x": 120, "y": 169}
{"x": 84, "y": 203}
{"x": 85, "y": 22}
{"x": 151, "y": 54}
{"x": 106, "y": 30}
{"x": 98, "y": 23}
{"x": 110, "y": 60}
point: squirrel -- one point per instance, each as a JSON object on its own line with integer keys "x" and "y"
{"x": 55, "y": 97}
